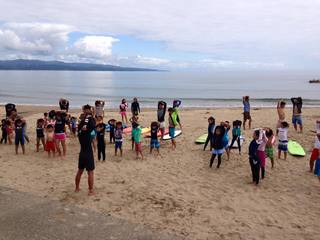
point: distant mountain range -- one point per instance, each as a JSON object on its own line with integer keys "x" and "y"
{"x": 23, "y": 64}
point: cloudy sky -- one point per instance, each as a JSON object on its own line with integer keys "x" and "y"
{"x": 169, "y": 34}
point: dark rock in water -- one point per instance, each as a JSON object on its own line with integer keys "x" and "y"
{"x": 314, "y": 81}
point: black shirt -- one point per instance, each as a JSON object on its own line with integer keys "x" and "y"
{"x": 84, "y": 135}
{"x": 154, "y": 132}
{"x": 59, "y": 126}
{"x": 135, "y": 107}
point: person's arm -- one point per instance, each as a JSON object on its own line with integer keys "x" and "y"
{"x": 292, "y": 100}
{"x": 67, "y": 106}
{"x": 206, "y": 143}
{"x": 138, "y": 107}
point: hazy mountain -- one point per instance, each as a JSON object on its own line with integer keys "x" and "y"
{"x": 22, "y": 64}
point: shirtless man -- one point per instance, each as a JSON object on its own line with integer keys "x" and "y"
{"x": 296, "y": 113}
{"x": 281, "y": 114}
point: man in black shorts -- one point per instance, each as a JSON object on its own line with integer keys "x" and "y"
{"x": 86, "y": 160}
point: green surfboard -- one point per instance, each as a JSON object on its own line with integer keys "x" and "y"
{"x": 295, "y": 149}
{"x": 202, "y": 139}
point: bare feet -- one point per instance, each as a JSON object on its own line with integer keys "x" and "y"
{"x": 91, "y": 192}
{"x": 77, "y": 190}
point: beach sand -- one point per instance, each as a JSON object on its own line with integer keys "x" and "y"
{"x": 177, "y": 191}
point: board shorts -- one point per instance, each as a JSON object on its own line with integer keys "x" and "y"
{"x": 60, "y": 136}
{"x": 315, "y": 154}
{"x": 162, "y": 125}
{"x": 217, "y": 151}
{"x": 269, "y": 152}
{"x": 50, "y": 146}
{"x": 86, "y": 161}
{"x": 297, "y": 119}
{"x": 262, "y": 156}
{"x": 172, "y": 131}
{"x": 118, "y": 144}
{"x": 154, "y": 143}
{"x": 18, "y": 140}
{"x": 246, "y": 116}
{"x": 138, "y": 146}
{"x": 123, "y": 114}
{"x": 283, "y": 146}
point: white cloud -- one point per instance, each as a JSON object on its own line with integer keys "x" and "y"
{"x": 93, "y": 47}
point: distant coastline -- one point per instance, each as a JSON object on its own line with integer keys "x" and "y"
{"x": 24, "y": 64}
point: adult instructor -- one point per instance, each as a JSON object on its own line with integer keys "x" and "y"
{"x": 86, "y": 160}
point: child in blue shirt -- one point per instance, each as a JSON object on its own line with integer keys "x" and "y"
{"x": 236, "y": 134}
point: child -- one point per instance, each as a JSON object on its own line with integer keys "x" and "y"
{"x": 135, "y": 107}
{"x": 133, "y": 120}
{"x": 211, "y": 127}
{"x": 154, "y": 142}
{"x": 296, "y": 113}
{"x": 112, "y": 124}
{"x": 99, "y": 108}
{"x": 225, "y": 140}
{"x": 74, "y": 125}
{"x": 9, "y": 128}
{"x": 162, "y": 106}
{"x": 269, "y": 145}
{"x": 50, "y": 141}
{"x": 246, "y": 112}
{"x": 118, "y": 138}
{"x": 19, "y": 135}
{"x": 45, "y": 119}
{"x": 315, "y": 152}
{"x": 283, "y": 139}
{"x": 136, "y": 135}
{"x": 217, "y": 144}
{"x": 261, "y": 151}
{"x": 236, "y": 134}
{"x": 60, "y": 132}
{"x": 101, "y": 129}
{"x": 253, "y": 157}
{"x": 4, "y": 136}
{"x": 173, "y": 122}
{"x": 40, "y": 133}
{"x": 123, "y": 110}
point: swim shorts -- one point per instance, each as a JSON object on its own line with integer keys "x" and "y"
{"x": 154, "y": 143}
{"x": 283, "y": 146}
{"x": 172, "y": 132}
{"x": 296, "y": 119}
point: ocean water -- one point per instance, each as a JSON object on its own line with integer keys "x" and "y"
{"x": 221, "y": 89}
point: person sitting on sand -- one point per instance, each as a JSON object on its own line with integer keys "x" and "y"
{"x": 123, "y": 110}
{"x": 246, "y": 112}
{"x": 281, "y": 114}
{"x": 269, "y": 145}
{"x": 162, "y": 106}
{"x": 19, "y": 135}
{"x": 40, "y": 133}
{"x": 236, "y": 134}
{"x": 135, "y": 107}
{"x": 283, "y": 140}
{"x": 118, "y": 131}
{"x": 50, "y": 141}
{"x": 315, "y": 152}
{"x": 101, "y": 145}
{"x": 211, "y": 127}
{"x": 154, "y": 142}
{"x": 86, "y": 159}
{"x": 64, "y": 104}
{"x": 136, "y": 135}
{"x": 217, "y": 145}
{"x": 296, "y": 113}
{"x": 254, "y": 158}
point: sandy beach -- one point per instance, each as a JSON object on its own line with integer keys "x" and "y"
{"x": 177, "y": 192}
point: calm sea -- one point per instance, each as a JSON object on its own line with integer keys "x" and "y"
{"x": 222, "y": 89}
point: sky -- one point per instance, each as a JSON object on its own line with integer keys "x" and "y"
{"x": 165, "y": 34}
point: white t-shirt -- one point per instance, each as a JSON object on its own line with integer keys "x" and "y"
{"x": 283, "y": 134}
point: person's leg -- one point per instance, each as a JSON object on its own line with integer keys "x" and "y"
{"x": 250, "y": 120}
{"x": 213, "y": 156}
{"x": 58, "y": 147}
{"x": 162, "y": 130}
{"x": 151, "y": 148}
{"x": 43, "y": 143}
{"x": 17, "y": 146}
{"x": 23, "y": 149}
{"x": 126, "y": 118}
{"x": 99, "y": 150}
{"x": 244, "y": 123}
{"x": 252, "y": 170}
{"x": 272, "y": 161}
{"x": 234, "y": 138}
{"x": 301, "y": 127}
{"x": 239, "y": 145}
{"x": 132, "y": 144}
{"x": 279, "y": 153}
{"x": 173, "y": 143}
{"x": 228, "y": 152}
{"x": 285, "y": 155}
{"x": 295, "y": 126}
{"x": 262, "y": 172}
{"x": 219, "y": 160}
{"x": 103, "y": 151}
{"x": 64, "y": 147}
{"x": 77, "y": 179}
{"x": 90, "y": 182}
{"x": 38, "y": 144}
{"x": 120, "y": 151}
{"x": 257, "y": 173}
